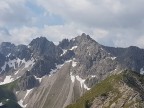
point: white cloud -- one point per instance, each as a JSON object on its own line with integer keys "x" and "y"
{"x": 55, "y": 33}
{"x": 14, "y": 13}
{"x": 140, "y": 41}
{"x": 98, "y": 13}
{"x": 22, "y": 35}
{"x": 110, "y": 22}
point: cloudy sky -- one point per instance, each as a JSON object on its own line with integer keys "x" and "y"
{"x": 118, "y": 23}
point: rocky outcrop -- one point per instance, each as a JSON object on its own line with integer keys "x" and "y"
{"x": 41, "y": 46}
{"x": 64, "y": 44}
{"x": 27, "y": 81}
{"x": 43, "y": 66}
{"x": 130, "y": 58}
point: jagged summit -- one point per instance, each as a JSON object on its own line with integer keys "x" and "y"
{"x": 40, "y": 42}
{"x": 82, "y": 39}
{"x": 84, "y": 36}
{"x": 41, "y": 46}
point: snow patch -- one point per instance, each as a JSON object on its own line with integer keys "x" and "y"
{"x": 82, "y": 82}
{"x": 85, "y": 86}
{"x": 28, "y": 46}
{"x": 58, "y": 67}
{"x": 27, "y": 93}
{"x": 102, "y": 49}
{"x": 74, "y": 47}
{"x": 12, "y": 63}
{"x": 93, "y": 76}
{"x": 72, "y": 77}
{"x": 74, "y": 63}
{"x": 7, "y": 79}
{"x": 1, "y": 104}
{"x": 142, "y": 71}
{"x": 73, "y": 39}
{"x": 64, "y": 51}
{"x": 113, "y": 58}
{"x": 20, "y": 102}
{"x": 28, "y": 63}
{"x": 40, "y": 79}
{"x": 8, "y": 55}
{"x": 17, "y": 92}
{"x": 67, "y": 61}
{"x": 16, "y": 72}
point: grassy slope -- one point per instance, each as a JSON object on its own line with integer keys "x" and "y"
{"x": 6, "y": 92}
{"x": 103, "y": 88}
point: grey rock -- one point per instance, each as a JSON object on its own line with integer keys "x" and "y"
{"x": 64, "y": 44}
{"x": 27, "y": 81}
{"x": 41, "y": 46}
{"x": 129, "y": 58}
{"x": 23, "y": 52}
{"x": 43, "y": 66}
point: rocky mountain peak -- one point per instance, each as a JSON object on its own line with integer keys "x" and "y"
{"x": 64, "y": 43}
{"x": 39, "y": 41}
{"x": 79, "y": 40}
{"x": 41, "y": 46}
{"x": 84, "y": 38}
{"x": 83, "y": 35}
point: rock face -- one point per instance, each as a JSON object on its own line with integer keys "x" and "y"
{"x": 53, "y": 76}
{"x": 41, "y": 46}
{"x": 43, "y": 66}
{"x": 27, "y": 81}
{"x": 131, "y": 57}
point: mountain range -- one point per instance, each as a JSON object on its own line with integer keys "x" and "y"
{"x": 76, "y": 73}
